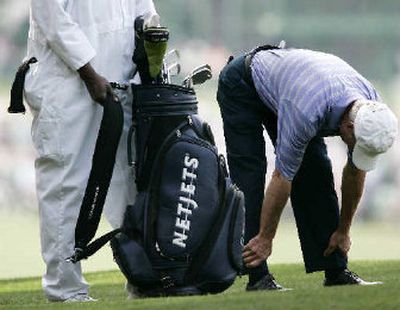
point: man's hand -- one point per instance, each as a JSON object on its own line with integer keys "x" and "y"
{"x": 260, "y": 247}
{"x": 257, "y": 251}
{"x": 352, "y": 187}
{"x": 98, "y": 87}
{"x": 338, "y": 241}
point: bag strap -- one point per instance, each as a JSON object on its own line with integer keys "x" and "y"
{"x": 265, "y": 47}
{"x": 93, "y": 247}
{"x": 99, "y": 180}
{"x": 17, "y": 89}
{"x": 131, "y": 138}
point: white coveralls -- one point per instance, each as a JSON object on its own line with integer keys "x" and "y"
{"x": 64, "y": 35}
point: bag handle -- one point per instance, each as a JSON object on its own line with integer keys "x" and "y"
{"x": 99, "y": 179}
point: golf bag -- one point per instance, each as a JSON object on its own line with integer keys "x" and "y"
{"x": 184, "y": 235}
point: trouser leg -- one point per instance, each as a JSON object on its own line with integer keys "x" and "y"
{"x": 65, "y": 147}
{"x": 241, "y": 111}
{"x": 316, "y": 208}
{"x": 58, "y": 215}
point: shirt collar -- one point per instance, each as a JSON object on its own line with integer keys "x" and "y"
{"x": 331, "y": 126}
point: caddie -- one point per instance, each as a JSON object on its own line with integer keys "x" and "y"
{"x": 80, "y": 47}
{"x": 300, "y": 96}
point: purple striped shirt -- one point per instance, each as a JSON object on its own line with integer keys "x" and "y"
{"x": 309, "y": 91}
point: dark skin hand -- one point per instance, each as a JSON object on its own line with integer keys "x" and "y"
{"x": 98, "y": 87}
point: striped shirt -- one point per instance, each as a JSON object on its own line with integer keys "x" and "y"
{"x": 309, "y": 91}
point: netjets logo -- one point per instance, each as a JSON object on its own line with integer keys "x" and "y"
{"x": 186, "y": 204}
{"x": 94, "y": 202}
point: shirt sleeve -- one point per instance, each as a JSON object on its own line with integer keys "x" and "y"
{"x": 145, "y": 8}
{"x": 63, "y": 35}
{"x": 295, "y": 131}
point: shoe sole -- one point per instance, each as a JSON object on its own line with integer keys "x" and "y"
{"x": 363, "y": 283}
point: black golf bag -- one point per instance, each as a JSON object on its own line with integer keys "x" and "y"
{"x": 184, "y": 235}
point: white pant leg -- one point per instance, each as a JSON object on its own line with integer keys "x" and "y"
{"x": 64, "y": 134}
{"x": 57, "y": 217}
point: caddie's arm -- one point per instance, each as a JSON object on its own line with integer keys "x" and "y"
{"x": 352, "y": 188}
{"x": 276, "y": 196}
{"x": 67, "y": 40}
{"x": 64, "y": 36}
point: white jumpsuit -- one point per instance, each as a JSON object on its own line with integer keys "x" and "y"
{"x": 64, "y": 35}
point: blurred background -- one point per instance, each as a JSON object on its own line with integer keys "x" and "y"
{"x": 365, "y": 33}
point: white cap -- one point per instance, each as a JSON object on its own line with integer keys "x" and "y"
{"x": 375, "y": 129}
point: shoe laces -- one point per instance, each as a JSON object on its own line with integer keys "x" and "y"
{"x": 352, "y": 275}
{"x": 271, "y": 277}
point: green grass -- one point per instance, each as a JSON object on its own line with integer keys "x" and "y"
{"x": 20, "y": 248}
{"x": 307, "y": 293}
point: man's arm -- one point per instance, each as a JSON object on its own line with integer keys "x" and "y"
{"x": 67, "y": 40}
{"x": 260, "y": 247}
{"x": 352, "y": 188}
{"x": 63, "y": 35}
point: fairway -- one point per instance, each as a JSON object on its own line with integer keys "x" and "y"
{"x": 25, "y": 261}
{"x": 307, "y": 293}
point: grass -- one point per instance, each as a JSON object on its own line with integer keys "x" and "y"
{"x": 307, "y": 293}
{"x": 375, "y": 255}
{"x": 20, "y": 248}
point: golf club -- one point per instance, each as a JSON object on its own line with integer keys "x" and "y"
{"x": 171, "y": 60}
{"x": 173, "y": 70}
{"x": 198, "y": 76}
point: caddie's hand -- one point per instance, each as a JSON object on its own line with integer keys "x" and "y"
{"x": 98, "y": 87}
{"x": 256, "y": 251}
{"x": 338, "y": 241}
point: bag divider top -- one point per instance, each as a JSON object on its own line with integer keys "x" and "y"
{"x": 163, "y": 100}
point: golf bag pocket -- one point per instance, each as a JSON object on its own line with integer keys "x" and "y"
{"x": 134, "y": 214}
{"x": 219, "y": 261}
{"x": 188, "y": 197}
{"x": 236, "y": 228}
{"x": 133, "y": 262}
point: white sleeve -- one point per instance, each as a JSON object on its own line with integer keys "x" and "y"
{"x": 145, "y": 8}
{"x": 63, "y": 35}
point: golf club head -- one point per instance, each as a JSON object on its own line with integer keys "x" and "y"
{"x": 201, "y": 74}
{"x": 198, "y": 76}
{"x": 171, "y": 66}
{"x": 174, "y": 69}
{"x": 171, "y": 57}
